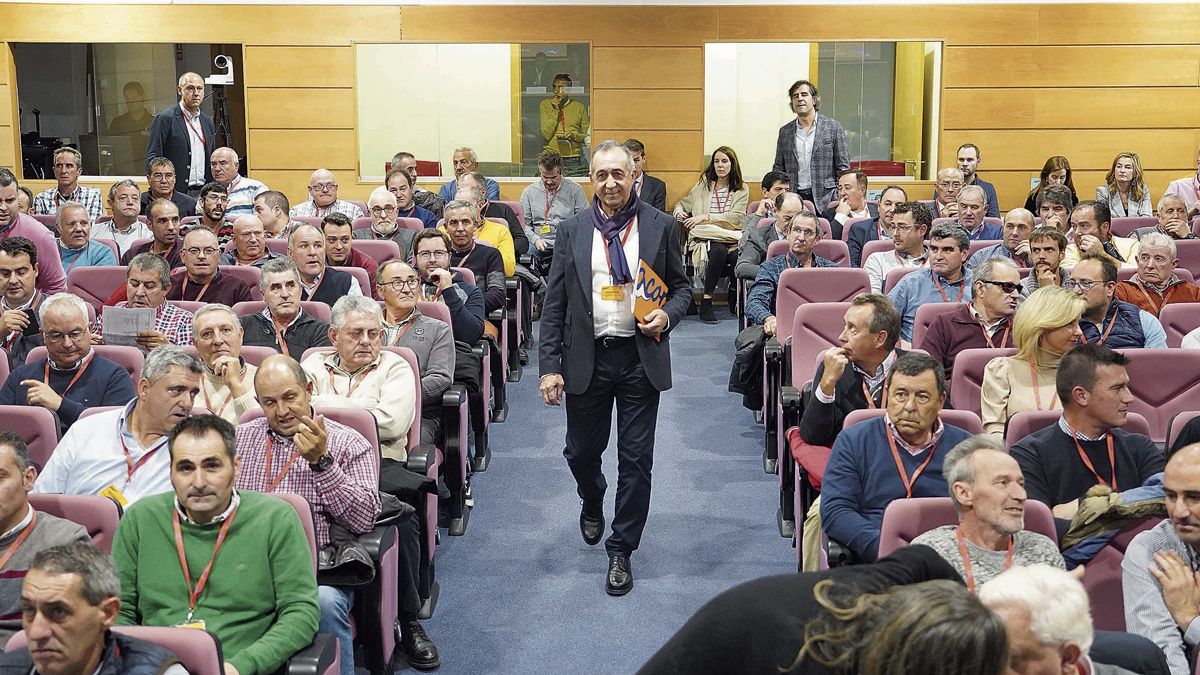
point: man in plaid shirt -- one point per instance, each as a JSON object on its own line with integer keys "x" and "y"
{"x": 68, "y": 164}
{"x": 146, "y": 284}
{"x": 292, "y": 449}
{"x": 323, "y": 189}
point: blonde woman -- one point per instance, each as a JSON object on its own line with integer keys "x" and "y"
{"x": 1124, "y": 188}
{"x": 1045, "y": 327}
{"x": 712, "y": 213}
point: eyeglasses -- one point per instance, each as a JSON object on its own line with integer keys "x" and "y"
{"x": 206, "y": 251}
{"x": 224, "y": 199}
{"x": 950, "y": 184}
{"x": 803, "y": 232}
{"x": 904, "y": 228}
{"x": 161, "y": 176}
{"x": 1005, "y": 286}
{"x": 401, "y": 284}
{"x": 55, "y": 337}
{"x": 1084, "y": 285}
{"x": 380, "y": 210}
{"x": 323, "y": 187}
{"x": 436, "y": 255}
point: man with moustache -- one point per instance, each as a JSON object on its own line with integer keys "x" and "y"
{"x": 202, "y": 280}
{"x": 164, "y": 228}
{"x": 146, "y": 282}
{"x": 384, "y": 226}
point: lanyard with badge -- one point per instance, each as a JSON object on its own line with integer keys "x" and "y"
{"x": 945, "y": 298}
{"x": 615, "y": 291}
{"x": 1112, "y": 458}
{"x": 131, "y": 468}
{"x": 194, "y": 593}
{"x": 278, "y": 477}
{"x": 966, "y": 557}
{"x": 78, "y": 374}
{"x": 12, "y": 548}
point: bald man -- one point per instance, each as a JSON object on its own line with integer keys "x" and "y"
{"x": 1162, "y": 595}
{"x": 202, "y": 280}
{"x": 384, "y": 210}
{"x": 249, "y": 244}
{"x": 323, "y": 199}
{"x": 185, "y": 136}
{"x": 225, "y": 168}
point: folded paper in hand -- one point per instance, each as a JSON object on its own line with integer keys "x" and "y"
{"x": 649, "y": 293}
{"x": 122, "y": 324}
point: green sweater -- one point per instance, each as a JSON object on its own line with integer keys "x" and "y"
{"x": 261, "y": 597}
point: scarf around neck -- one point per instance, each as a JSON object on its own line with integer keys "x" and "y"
{"x": 610, "y": 228}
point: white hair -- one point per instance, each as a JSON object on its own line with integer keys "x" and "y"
{"x": 974, "y": 190}
{"x": 469, "y": 152}
{"x": 353, "y": 303}
{"x": 51, "y": 303}
{"x": 1158, "y": 239}
{"x": 1162, "y": 202}
{"x": 217, "y": 307}
{"x": 614, "y": 147}
{"x": 381, "y": 195}
{"x": 1056, "y": 601}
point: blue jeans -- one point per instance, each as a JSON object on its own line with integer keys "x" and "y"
{"x": 335, "y": 606}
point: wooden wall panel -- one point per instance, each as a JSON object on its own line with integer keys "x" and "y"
{"x": 1087, "y": 149}
{"x": 1127, "y": 23}
{"x": 6, "y": 111}
{"x": 647, "y": 68}
{"x": 300, "y": 108}
{"x": 960, "y": 24}
{"x": 1079, "y": 66}
{"x": 305, "y": 67}
{"x": 628, "y": 25}
{"x": 666, "y": 150}
{"x": 1071, "y": 108}
{"x": 680, "y": 109}
{"x": 333, "y": 149}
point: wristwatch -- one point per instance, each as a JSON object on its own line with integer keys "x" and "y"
{"x": 321, "y": 464}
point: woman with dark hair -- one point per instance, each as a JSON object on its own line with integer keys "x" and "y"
{"x": 712, "y": 213}
{"x": 1056, "y": 171}
{"x": 907, "y": 614}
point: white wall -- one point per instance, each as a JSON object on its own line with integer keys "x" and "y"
{"x": 429, "y": 99}
{"x": 745, "y": 98}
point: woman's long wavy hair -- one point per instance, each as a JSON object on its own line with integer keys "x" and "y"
{"x": 735, "y": 170}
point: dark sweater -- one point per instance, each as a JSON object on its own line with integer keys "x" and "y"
{"x": 822, "y": 422}
{"x": 172, "y": 257}
{"x": 465, "y": 303}
{"x": 952, "y": 332}
{"x": 488, "y": 266}
{"x": 48, "y": 531}
{"x": 224, "y": 288}
{"x": 758, "y": 626}
{"x": 308, "y": 332}
{"x": 103, "y": 384}
{"x": 334, "y": 284}
{"x": 861, "y": 480}
{"x": 505, "y": 213}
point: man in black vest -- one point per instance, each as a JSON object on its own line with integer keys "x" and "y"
{"x": 70, "y": 599}
{"x": 306, "y": 248}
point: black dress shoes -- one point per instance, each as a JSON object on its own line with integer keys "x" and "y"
{"x": 422, "y": 654}
{"x": 591, "y": 525}
{"x": 620, "y": 575}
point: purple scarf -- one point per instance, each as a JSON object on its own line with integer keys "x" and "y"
{"x": 610, "y": 229}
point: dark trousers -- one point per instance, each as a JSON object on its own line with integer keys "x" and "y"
{"x": 808, "y": 195}
{"x": 718, "y": 265}
{"x": 408, "y": 581}
{"x": 618, "y": 376}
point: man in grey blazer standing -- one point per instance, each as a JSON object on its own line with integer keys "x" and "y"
{"x": 812, "y": 149}
{"x": 596, "y": 351}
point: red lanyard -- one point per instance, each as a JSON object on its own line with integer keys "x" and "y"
{"x": 58, "y": 198}
{"x": 401, "y": 333}
{"x": 945, "y": 298}
{"x": 354, "y": 381}
{"x": 76, "y": 260}
{"x": 12, "y": 337}
{"x": 904, "y": 478}
{"x": 183, "y": 293}
{"x": 966, "y": 557}
{"x": 870, "y": 398}
{"x": 274, "y": 482}
{"x": 463, "y": 261}
{"x": 318, "y": 286}
{"x": 1003, "y": 338}
{"x": 1037, "y": 395}
{"x": 198, "y": 131}
{"x": 132, "y": 468}
{"x": 721, "y": 205}
{"x": 78, "y": 374}
{"x": 1157, "y": 307}
{"x": 12, "y": 548}
{"x": 624, "y": 238}
{"x": 1104, "y": 335}
{"x": 550, "y": 197}
{"x": 1112, "y": 459}
{"x": 208, "y": 402}
{"x": 194, "y": 593}
{"x": 166, "y": 255}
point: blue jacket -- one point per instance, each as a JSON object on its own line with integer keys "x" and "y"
{"x": 447, "y": 191}
{"x": 1134, "y": 328}
{"x": 861, "y": 480}
{"x": 103, "y": 384}
{"x": 916, "y": 289}
{"x": 760, "y": 303}
{"x": 860, "y": 233}
{"x": 986, "y": 232}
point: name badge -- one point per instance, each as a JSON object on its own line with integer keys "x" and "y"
{"x": 114, "y": 493}
{"x": 612, "y": 293}
{"x": 197, "y": 624}
{"x": 546, "y": 229}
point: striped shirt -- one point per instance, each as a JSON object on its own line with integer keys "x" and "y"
{"x": 346, "y": 493}
{"x": 1146, "y": 613}
{"x": 242, "y": 192}
{"x": 309, "y": 209}
{"x": 47, "y": 201}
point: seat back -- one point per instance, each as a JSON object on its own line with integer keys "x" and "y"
{"x": 436, "y": 310}
{"x": 198, "y": 651}
{"x": 804, "y": 285}
{"x": 963, "y": 419}
{"x": 1030, "y": 421}
{"x": 1189, "y": 255}
{"x": 364, "y": 279}
{"x": 97, "y": 283}
{"x": 247, "y": 273}
{"x": 410, "y": 357}
{"x": 37, "y": 426}
{"x": 112, "y": 246}
{"x": 966, "y": 381}
{"x": 516, "y": 207}
{"x": 895, "y": 275}
{"x": 1124, "y": 226}
{"x": 926, "y": 315}
{"x": 98, "y": 515}
{"x": 360, "y": 223}
{"x": 256, "y": 355}
{"x": 48, "y": 219}
{"x": 815, "y": 328}
{"x": 318, "y": 310}
{"x": 1177, "y": 425}
{"x": 834, "y": 250}
{"x": 190, "y": 305}
{"x": 776, "y": 248}
{"x": 980, "y": 244}
{"x": 950, "y": 221}
{"x": 466, "y": 274}
{"x": 906, "y": 519}
{"x": 414, "y": 224}
{"x": 380, "y": 250}
{"x": 279, "y": 246}
{"x": 1102, "y": 577}
{"x": 362, "y": 206}
{"x": 303, "y": 511}
{"x": 129, "y": 358}
{"x": 876, "y": 246}
{"x": 1163, "y": 384}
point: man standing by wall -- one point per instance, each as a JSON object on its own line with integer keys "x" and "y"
{"x": 812, "y": 150}
{"x": 185, "y": 136}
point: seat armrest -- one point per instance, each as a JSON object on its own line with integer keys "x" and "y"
{"x": 421, "y": 458}
{"x": 838, "y": 555}
{"x": 314, "y": 659}
{"x": 772, "y": 350}
{"x": 525, "y": 259}
{"x": 379, "y": 540}
{"x": 497, "y": 315}
{"x": 454, "y": 397}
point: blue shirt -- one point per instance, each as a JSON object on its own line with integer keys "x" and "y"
{"x": 995, "y": 251}
{"x": 448, "y": 190}
{"x": 918, "y": 288}
{"x": 760, "y": 303}
{"x": 421, "y": 213}
{"x": 93, "y": 255}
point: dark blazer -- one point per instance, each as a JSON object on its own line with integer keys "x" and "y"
{"x": 185, "y": 203}
{"x": 308, "y": 332}
{"x": 835, "y": 227}
{"x": 830, "y": 156}
{"x": 654, "y": 192}
{"x": 566, "y": 322}
{"x": 753, "y": 248}
{"x": 822, "y": 422}
{"x": 860, "y": 233}
{"x": 169, "y": 138}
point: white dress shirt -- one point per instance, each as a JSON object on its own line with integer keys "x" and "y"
{"x": 804, "y": 149}
{"x": 193, "y": 123}
{"x": 613, "y": 318}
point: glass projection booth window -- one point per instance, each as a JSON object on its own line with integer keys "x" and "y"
{"x": 101, "y": 99}
{"x": 507, "y": 102}
{"x": 885, "y": 94}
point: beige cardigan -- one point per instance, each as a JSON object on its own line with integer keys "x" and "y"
{"x": 388, "y": 391}
{"x": 1008, "y": 389}
{"x": 697, "y": 200}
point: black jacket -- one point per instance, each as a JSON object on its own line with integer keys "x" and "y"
{"x": 835, "y": 227}
{"x": 822, "y": 422}
{"x": 654, "y": 192}
{"x": 169, "y": 138}
{"x": 307, "y": 332}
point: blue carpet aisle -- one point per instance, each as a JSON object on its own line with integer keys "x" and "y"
{"x": 522, "y": 593}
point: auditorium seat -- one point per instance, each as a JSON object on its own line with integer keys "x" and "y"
{"x": 850, "y": 223}
{"x": 199, "y": 651}
{"x": 967, "y": 379}
{"x": 516, "y": 207}
{"x": 455, "y": 427}
{"x": 895, "y": 275}
{"x": 906, "y": 519}
{"x": 926, "y": 315}
{"x": 1163, "y": 384}
{"x": 833, "y": 250}
{"x": 97, "y": 283}
{"x": 279, "y": 246}
{"x": 189, "y": 305}
{"x": 415, "y": 224}
{"x": 1124, "y": 226}
{"x": 129, "y": 358}
{"x": 307, "y": 220}
{"x": 1029, "y": 421}
{"x": 364, "y": 279}
{"x": 112, "y": 246}
{"x": 1189, "y": 255}
{"x": 876, "y": 246}
{"x": 247, "y": 273}
{"x": 360, "y": 204}
{"x": 98, "y": 515}
{"x": 989, "y": 220}
{"x": 37, "y": 426}
{"x": 381, "y": 251}
{"x": 1102, "y": 577}
{"x": 1178, "y": 319}
{"x": 979, "y": 245}
{"x": 256, "y": 355}
{"x": 318, "y": 310}
{"x": 48, "y": 219}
